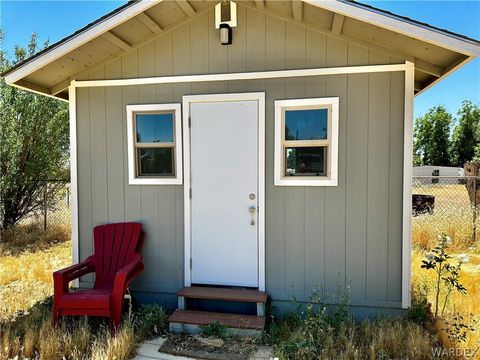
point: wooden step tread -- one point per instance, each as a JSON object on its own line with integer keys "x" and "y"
{"x": 211, "y": 293}
{"x": 237, "y": 321}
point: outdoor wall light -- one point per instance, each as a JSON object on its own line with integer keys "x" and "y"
{"x": 225, "y": 20}
{"x": 225, "y": 34}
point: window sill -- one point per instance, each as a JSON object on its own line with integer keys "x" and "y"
{"x": 305, "y": 182}
{"x": 155, "y": 181}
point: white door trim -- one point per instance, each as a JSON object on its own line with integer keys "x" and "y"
{"x": 187, "y": 100}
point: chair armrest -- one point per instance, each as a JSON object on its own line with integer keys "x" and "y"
{"x": 62, "y": 277}
{"x": 126, "y": 274}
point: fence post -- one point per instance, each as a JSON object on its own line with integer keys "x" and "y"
{"x": 474, "y": 231}
{"x": 45, "y": 208}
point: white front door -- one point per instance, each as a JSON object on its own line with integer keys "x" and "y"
{"x": 224, "y": 180}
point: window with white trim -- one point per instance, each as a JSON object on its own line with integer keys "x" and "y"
{"x": 306, "y": 142}
{"x": 154, "y": 144}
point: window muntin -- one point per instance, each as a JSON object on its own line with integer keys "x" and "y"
{"x": 154, "y": 141}
{"x": 306, "y": 142}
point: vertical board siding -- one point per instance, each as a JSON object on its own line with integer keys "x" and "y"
{"x": 148, "y": 194}
{"x": 316, "y": 237}
{"x": 274, "y": 195}
{"x": 295, "y": 196}
{"x": 315, "y": 52}
{"x": 356, "y": 176}
{"x": 378, "y": 182}
{"x": 114, "y": 140}
{"x": 335, "y": 207}
{"x": 397, "y": 93}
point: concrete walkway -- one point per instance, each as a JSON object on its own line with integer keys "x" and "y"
{"x": 149, "y": 351}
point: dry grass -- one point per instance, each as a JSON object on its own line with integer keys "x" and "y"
{"x": 32, "y": 237}
{"x": 26, "y": 278}
{"x": 467, "y": 305}
{"x": 31, "y": 335}
{"x": 452, "y": 215}
{"x": 379, "y": 339}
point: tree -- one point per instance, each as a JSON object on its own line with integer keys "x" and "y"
{"x": 34, "y": 142}
{"x": 466, "y": 135}
{"x": 432, "y": 137}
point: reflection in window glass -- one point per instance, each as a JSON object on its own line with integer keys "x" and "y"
{"x": 154, "y": 128}
{"x": 306, "y": 161}
{"x": 308, "y": 124}
{"x": 155, "y": 161}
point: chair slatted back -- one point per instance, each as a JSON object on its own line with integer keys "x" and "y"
{"x": 114, "y": 246}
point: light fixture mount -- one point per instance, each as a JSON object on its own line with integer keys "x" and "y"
{"x": 226, "y": 13}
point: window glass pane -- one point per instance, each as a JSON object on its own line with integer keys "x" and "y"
{"x": 155, "y": 161}
{"x": 306, "y": 161}
{"x": 154, "y": 128}
{"x": 311, "y": 124}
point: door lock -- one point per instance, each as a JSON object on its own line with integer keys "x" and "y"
{"x": 251, "y": 210}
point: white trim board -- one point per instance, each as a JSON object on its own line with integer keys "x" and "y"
{"x": 133, "y": 179}
{"x": 73, "y": 177}
{"x": 242, "y": 76}
{"x": 187, "y": 100}
{"x": 331, "y": 178}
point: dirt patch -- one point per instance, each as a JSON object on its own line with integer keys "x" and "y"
{"x": 234, "y": 348}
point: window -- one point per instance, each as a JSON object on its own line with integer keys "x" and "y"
{"x": 306, "y": 142}
{"x": 154, "y": 144}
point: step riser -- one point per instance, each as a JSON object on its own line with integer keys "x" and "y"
{"x": 180, "y": 328}
{"x": 182, "y": 304}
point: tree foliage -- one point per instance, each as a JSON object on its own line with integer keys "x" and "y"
{"x": 34, "y": 142}
{"x": 466, "y": 135}
{"x": 432, "y": 137}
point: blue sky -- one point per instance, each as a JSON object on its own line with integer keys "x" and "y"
{"x": 54, "y": 20}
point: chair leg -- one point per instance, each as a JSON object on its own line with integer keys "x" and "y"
{"x": 55, "y": 317}
{"x": 115, "y": 318}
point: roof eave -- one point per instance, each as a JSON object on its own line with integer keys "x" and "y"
{"x": 401, "y": 25}
{"x": 64, "y": 46}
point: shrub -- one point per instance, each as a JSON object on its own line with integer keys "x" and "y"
{"x": 420, "y": 309}
{"x": 447, "y": 275}
{"x": 151, "y": 320}
{"x": 214, "y": 330}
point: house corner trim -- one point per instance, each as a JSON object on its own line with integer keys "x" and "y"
{"x": 407, "y": 184}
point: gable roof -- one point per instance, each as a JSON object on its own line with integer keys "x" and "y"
{"x": 133, "y": 24}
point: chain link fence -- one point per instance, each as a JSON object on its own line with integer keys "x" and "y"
{"x": 49, "y": 208}
{"x": 446, "y": 204}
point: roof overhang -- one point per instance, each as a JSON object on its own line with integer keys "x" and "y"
{"x": 435, "y": 52}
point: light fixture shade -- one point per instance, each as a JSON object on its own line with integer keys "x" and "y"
{"x": 225, "y": 34}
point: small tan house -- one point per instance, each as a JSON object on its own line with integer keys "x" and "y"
{"x": 264, "y": 145}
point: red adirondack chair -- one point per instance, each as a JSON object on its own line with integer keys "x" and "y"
{"x": 116, "y": 262}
